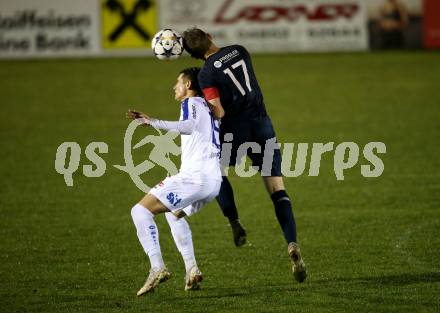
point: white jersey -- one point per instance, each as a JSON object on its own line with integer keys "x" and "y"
{"x": 199, "y": 178}
{"x": 201, "y": 148}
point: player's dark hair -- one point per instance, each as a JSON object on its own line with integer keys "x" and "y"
{"x": 191, "y": 74}
{"x": 196, "y": 42}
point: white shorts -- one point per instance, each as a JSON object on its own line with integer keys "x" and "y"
{"x": 184, "y": 192}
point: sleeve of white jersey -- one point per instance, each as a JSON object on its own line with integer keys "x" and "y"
{"x": 187, "y": 121}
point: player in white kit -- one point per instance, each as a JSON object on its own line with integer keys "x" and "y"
{"x": 185, "y": 193}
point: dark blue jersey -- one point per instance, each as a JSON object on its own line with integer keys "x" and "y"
{"x": 230, "y": 71}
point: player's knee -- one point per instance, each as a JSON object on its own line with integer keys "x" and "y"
{"x": 152, "y": 204}
{"x": 273, "y": 184}
{"x": 135, "y": 211}
{"x": 138, "y": 211}
{"x": 179, "y": 214}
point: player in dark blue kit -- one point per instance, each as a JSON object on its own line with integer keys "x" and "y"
{"x": 230, "y": 87}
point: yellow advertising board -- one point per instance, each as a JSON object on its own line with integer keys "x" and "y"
{"x": 128, "y": 23}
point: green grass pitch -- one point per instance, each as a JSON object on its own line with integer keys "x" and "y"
{"x": 371, "y": 244}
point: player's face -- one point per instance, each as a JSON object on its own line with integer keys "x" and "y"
{"x": 181, "y": 88}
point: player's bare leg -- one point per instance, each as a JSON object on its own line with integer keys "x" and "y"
{"x": 143, "y": 217}
{"x": 283, "y": 210}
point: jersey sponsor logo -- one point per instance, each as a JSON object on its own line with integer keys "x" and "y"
{"x": 272, "y": 13}
{"x": 227, "y": 57}
{"x": 173, "y": 198}
{"x": 194, "y": 112}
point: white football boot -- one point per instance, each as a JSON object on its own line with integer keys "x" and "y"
{"x": 155, "y": 277}
{"x": 193, "y": 278}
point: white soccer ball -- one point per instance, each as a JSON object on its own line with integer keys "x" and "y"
{"x": 167, "y": 44}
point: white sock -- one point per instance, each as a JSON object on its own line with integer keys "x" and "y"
{"x": 148, "y": 234}
{"x": 183, "y": 239}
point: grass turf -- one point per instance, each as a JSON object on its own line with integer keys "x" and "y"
{"x": 370, "y": 244}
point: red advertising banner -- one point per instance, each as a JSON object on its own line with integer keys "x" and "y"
{"x": 431, "y": 24}
{"x": 274, "y": 25}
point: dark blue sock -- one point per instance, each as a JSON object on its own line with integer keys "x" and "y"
{"x": 283, "y": 211}
{"x": 226, "y": 201}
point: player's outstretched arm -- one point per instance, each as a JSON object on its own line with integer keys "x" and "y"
{"x": 185, "y": 127}
{"x": 216, "y": 108}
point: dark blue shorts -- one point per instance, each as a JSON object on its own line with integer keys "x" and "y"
{"x": 257, "y": 130}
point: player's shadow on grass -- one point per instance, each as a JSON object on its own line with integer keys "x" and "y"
{"x": 243, "y": 291}
{"x": 311, "y": 284}
{"x": 387, "y": 280}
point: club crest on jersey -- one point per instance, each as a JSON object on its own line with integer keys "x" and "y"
{"x": 173, "y": 199}
{"x": 218, "y": 64}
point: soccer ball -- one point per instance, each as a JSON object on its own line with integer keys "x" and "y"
{"x": 167, "y": 44}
